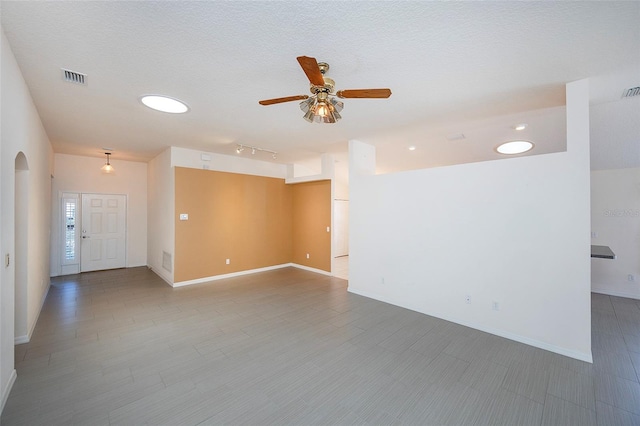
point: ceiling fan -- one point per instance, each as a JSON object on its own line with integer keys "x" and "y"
{"x": 322, "y": 106}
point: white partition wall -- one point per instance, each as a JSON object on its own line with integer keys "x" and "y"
{"x": 512, "y": 232}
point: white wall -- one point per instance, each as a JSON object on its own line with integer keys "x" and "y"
{"x": 21, "y": 131}
{"x": 615, "y": 222}
{"x": 242, "y": 163}
{"x": 514, "y": 231}
{"x": 160, "y": 216}
{"x": 73, "y": 173}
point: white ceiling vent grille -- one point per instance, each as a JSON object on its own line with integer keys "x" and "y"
{"x": 634, "y": 91}
{"x": 74, "y": 77}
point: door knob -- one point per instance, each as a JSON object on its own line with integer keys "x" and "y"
{"x": 85, "y": 236}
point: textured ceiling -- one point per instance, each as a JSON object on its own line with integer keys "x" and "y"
{"x": 475, "y": 68}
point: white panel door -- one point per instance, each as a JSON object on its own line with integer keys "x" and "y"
{"x": 341, "y": 227}
{"x": 103, "y": 232}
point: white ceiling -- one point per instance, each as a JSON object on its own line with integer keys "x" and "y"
{"x": 475, "y": 68}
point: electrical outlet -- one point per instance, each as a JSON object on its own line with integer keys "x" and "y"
{"x": 228, "y": 261}
{"x": 495, "y": 306}
{"x": 467, "y": 299}
{"x": 631, "y": 278}
{"x": 307, "y": 255}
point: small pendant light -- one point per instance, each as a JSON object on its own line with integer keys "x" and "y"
{"x": 108, "y": 168}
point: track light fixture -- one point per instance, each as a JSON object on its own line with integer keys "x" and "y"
{"x": 240, "y": 148}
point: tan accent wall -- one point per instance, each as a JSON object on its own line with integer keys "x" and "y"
{"x": 247, "y": 219}
{"x": 311, "y": 217}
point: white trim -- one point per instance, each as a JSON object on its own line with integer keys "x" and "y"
{"x": 231, "y": 275}
{"x": 304, "y": 179}
{"x": 614, "y": 293}
{"x": 586, "y": 357}
{"x": 307, "y": 268}
{"x": 44, "y": 298}
{"x": 247, "y": 272}
{"x": 19, "y": 340}
{"x": 7, "y": 389}
{"x": 165, "y": 279}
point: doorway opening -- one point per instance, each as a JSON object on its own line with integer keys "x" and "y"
{"x": 341, "y": 238}
{"x": 21, "y": 221}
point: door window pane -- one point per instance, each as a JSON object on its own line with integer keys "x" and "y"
{"x": 70, "y": 230}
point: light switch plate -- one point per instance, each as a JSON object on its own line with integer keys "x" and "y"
{"x": 184, "y": 216}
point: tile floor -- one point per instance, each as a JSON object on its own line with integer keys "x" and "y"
{"x": 340, "y": 267}
{"x": 289, "y": 346}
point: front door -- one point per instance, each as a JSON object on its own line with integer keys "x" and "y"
{"x": 103, "y": 232}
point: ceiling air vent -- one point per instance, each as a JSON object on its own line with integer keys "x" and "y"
{"x": 456, "y": 137}
{"x": 74, "y": 77}
{"x": 634, "y": 91}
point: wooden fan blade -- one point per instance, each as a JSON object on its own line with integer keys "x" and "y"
{"x": 280, "y": 100}
{"x": 311, "y": 69}
{"x": 364, "y": 93}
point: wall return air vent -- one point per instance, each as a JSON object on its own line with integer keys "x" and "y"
{"x": 74, "y": 77}
{"x": 634, "y": 91}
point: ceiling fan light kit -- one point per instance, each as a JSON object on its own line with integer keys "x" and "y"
{"x": 321, "y": 109}
{"x": 322, "y": 106}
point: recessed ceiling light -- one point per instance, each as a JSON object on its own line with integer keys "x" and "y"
{"x": 520, "y": 126}
{"x": 164, "y": 104}
{"x": 412, "y": 148}
{"x": 514, "y": 147}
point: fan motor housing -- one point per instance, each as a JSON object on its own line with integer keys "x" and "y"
{"x": 329, "y": 85}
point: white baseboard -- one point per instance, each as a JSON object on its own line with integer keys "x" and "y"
{"x": 20, "y": 340}
{"x": 609, "y": 292}
{"x": 44, "y": 299}
{"x": 7, "y": 389}
{"x": 231, "y": 275}
{"x": 165, "y": 279}
{"x": 587, "y": 357}
{"x": 248, "y": 272}
{"x": 307, "y": 268}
